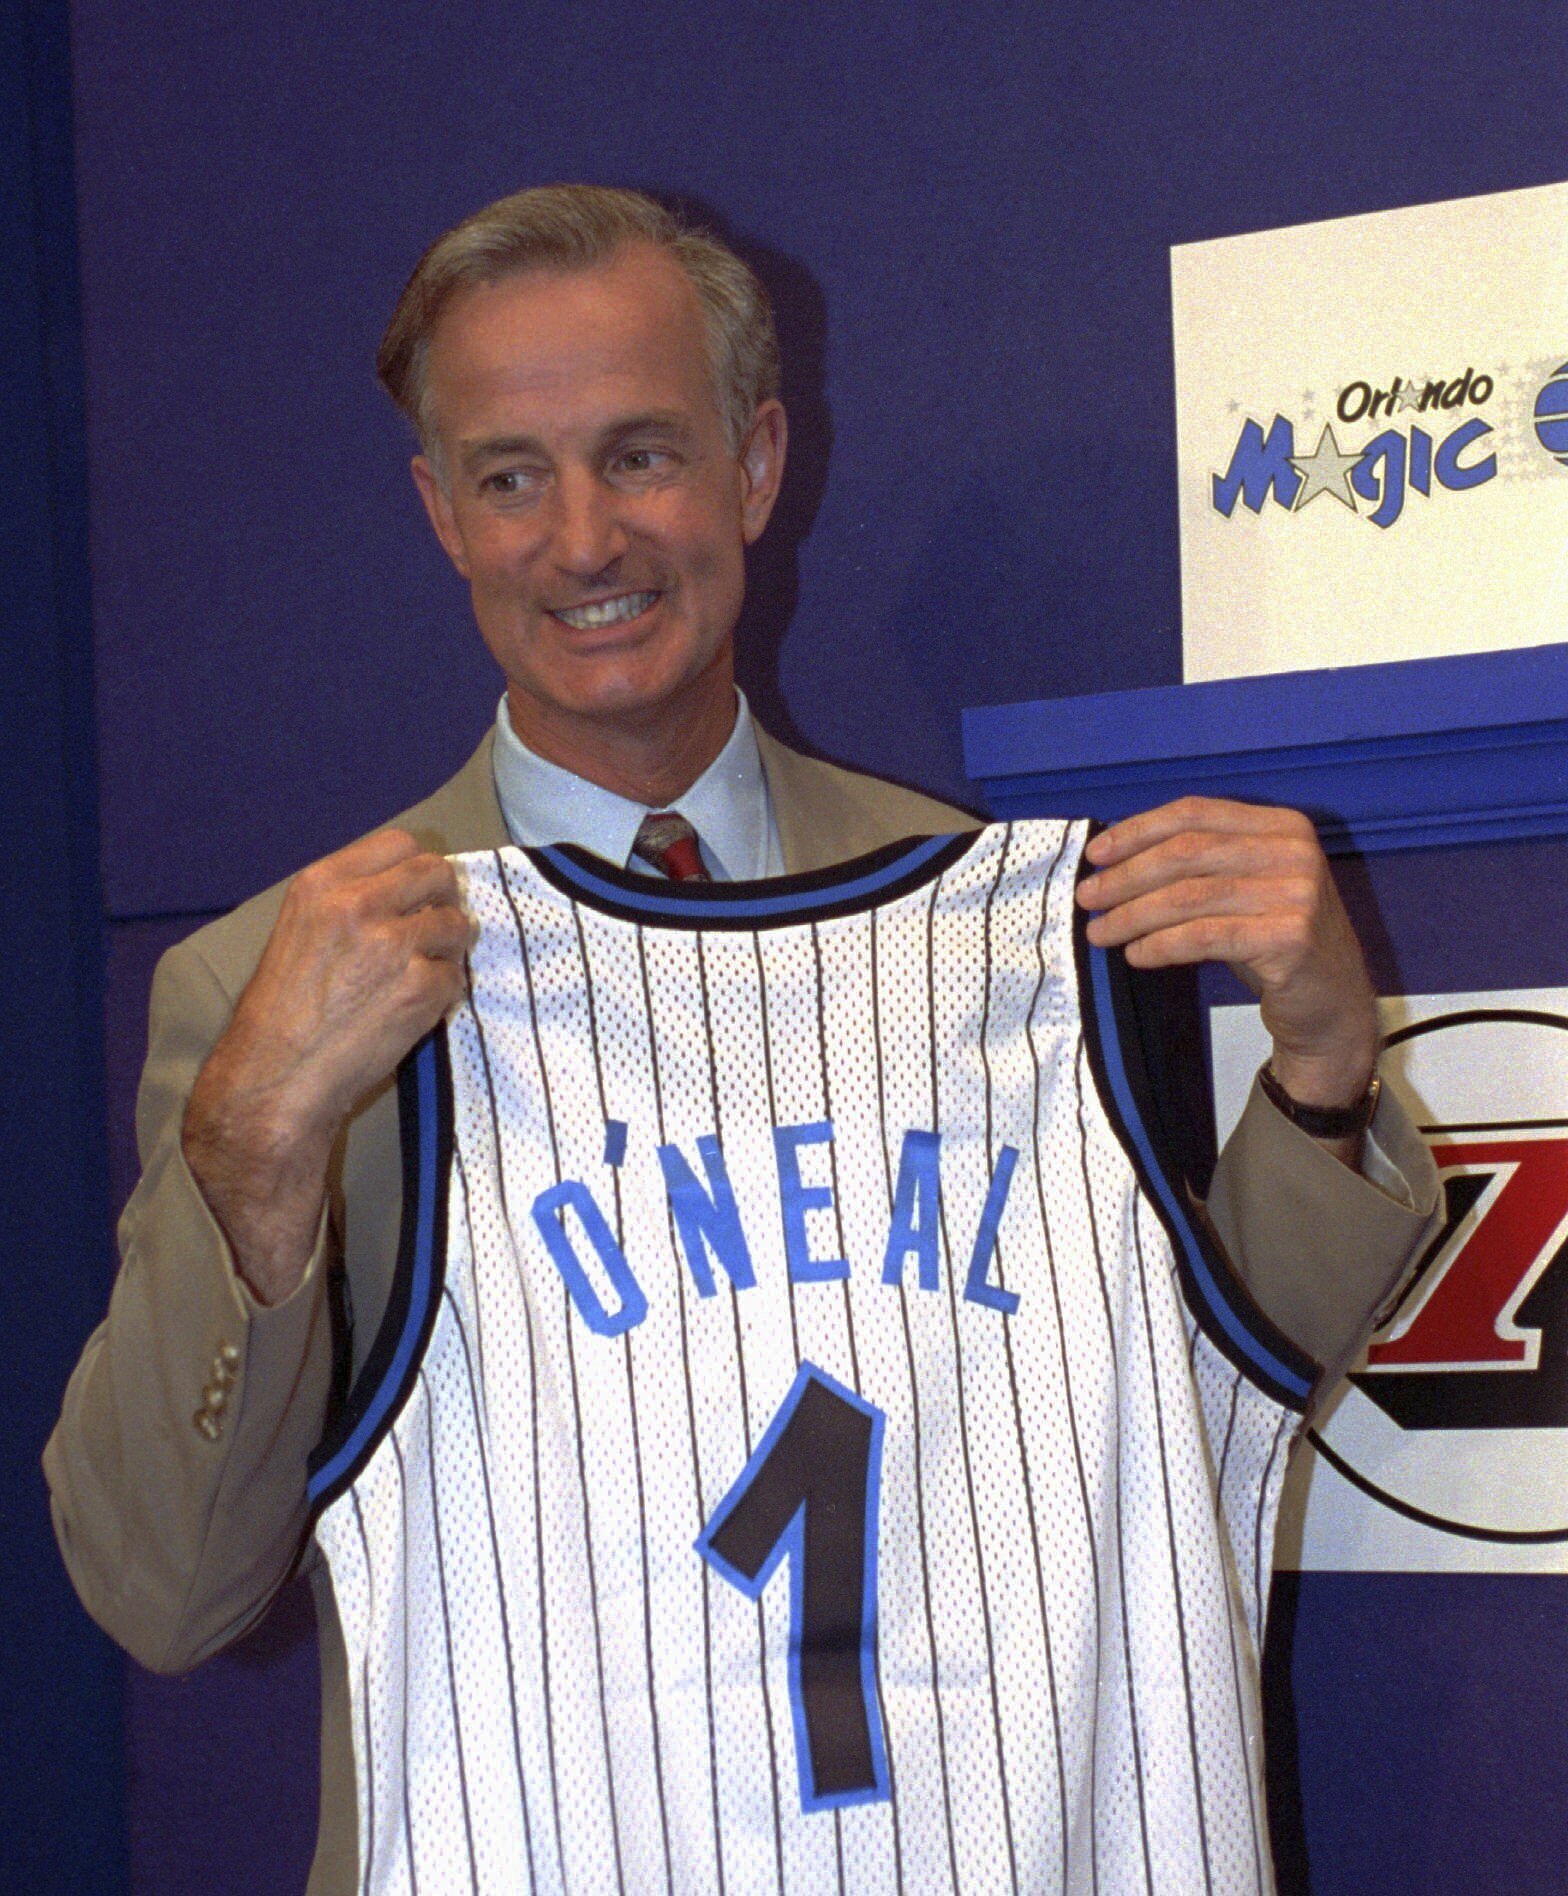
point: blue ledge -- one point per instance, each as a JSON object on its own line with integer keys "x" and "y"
{"x": 1432, "y": 750}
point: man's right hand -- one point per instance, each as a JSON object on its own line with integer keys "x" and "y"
{"x": 365, "y": 957}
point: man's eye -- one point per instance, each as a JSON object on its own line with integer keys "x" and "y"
{"x": 641, "y": 460}
{"x": 506, "y": 482}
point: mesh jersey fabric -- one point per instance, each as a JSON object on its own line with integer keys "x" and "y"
{"x": 809, "y": 1446}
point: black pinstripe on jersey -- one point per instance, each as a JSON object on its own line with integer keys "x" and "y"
{"x": 553, "y": 1686}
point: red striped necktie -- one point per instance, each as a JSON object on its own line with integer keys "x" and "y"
{"x": 668, "y": 841}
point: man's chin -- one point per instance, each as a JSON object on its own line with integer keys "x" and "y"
{"x": 620, "y": 697}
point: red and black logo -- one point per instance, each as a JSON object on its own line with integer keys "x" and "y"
{"x": 1479, "y": 1341}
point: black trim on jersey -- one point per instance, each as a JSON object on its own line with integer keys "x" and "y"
{"x": 393, "y": 1364}
{"x": 817, "y": 895}
{"x": 1218, "y": 1299}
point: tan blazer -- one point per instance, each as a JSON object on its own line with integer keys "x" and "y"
{"x": 178, "y": 1534}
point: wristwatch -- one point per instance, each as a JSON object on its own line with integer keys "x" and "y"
{"x": 1322, "y": 1122}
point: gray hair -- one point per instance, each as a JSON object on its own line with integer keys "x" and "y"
{"x": 573, "y": 227}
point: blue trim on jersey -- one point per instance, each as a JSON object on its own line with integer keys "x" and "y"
{"x": 660, "y": 902}
{"x": 1177, "y": 1216}
{"x": 421, "y": 1280}
{"x": 792, "y": 1543}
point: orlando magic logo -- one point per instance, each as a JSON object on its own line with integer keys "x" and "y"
{"x": 1444, "y": 449}
{"x": 1551, "y": 415}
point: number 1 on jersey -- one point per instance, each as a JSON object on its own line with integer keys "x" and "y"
{"x": 810, "y": 1491}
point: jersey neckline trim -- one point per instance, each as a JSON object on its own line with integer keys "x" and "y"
{"x": 779, "y": 902}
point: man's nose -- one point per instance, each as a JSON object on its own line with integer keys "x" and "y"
{"x": 587, "y": 534}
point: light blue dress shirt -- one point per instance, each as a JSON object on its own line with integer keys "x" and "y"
{"x": 728, "y": 806}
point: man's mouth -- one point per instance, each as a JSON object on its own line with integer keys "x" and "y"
{"x": 605, "y": 612}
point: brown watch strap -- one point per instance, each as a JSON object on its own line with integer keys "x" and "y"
{"x": 1322, "y": 1122}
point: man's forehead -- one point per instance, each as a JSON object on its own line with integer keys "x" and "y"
{"x": 542, "y": 351}
{"x": 636, "y": 304}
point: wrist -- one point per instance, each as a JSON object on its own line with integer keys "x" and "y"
{"x": 257, "y": 1104}
{"x": 263, "y": 1176}
{"x": 1330, "y": 1081}
{"x": 1335, "y": 1123}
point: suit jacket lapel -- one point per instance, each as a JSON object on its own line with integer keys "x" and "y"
{"x": 465, "y": 812}
{"x": 816, "y": 826}
{"x": 826, "y": 815}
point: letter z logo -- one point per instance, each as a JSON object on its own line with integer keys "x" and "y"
{"x": 1481, "y": 1339}
{"x": 1457, "y": 1416}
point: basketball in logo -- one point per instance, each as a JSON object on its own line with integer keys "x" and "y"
{"x": 1551, "y": 415}
{"x": 1457, "y": 1415}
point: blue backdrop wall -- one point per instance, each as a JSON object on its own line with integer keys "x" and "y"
{"x": 964, "y": 213}
{"x": 61, "y": 1808}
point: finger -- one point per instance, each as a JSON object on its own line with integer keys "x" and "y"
{"x": 1239, "y": 940}
{"x": 440, "y": 933}
{"x": 429, "y": 990}
{"x": 329, "y": 879}
{"x": 1202, "y": 854}
{"x": 369, "y": 855}
{"x": 1178, "y": 903}
{"x": 1219, "y": 815}
{"x": 415, "y": 882}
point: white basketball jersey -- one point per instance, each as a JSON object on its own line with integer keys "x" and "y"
{"x": 810, "y": 1446}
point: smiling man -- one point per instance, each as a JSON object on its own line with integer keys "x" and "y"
{"x": 583, "y": 480}
{"x": 595, "y": 389}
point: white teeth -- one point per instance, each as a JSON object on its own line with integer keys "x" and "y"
{"x": 607, "y": 611}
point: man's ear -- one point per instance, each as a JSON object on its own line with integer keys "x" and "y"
{"x": 762, "y": 467}
{"x": 438, "y": 505}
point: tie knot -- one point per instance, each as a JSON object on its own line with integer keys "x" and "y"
{"x": 668, "y": 841}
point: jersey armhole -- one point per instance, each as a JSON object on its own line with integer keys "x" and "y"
{"x": 1218, "y": 1300}
{"x": 377, "y": 1394}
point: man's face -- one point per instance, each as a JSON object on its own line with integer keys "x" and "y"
{"x": 591, "y": 498}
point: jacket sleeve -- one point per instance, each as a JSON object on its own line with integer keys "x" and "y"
{"x": 1323, "y": 1249}
{"x": 177, "y": 1468}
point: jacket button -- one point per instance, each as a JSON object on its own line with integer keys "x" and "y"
{"x": 207, "y": 1424}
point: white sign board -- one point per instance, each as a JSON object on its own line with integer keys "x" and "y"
{"x": 1447, "y": 1450}
{"x": 1372, "y": 436}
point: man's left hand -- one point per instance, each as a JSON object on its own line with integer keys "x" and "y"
{"x": 1204, "y": 879}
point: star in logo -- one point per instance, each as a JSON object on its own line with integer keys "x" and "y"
{"x": 1410, "y": 392}
{"x": 1325, "y": 471}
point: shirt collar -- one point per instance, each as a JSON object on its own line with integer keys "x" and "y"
{"x": 727, "y": 806}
